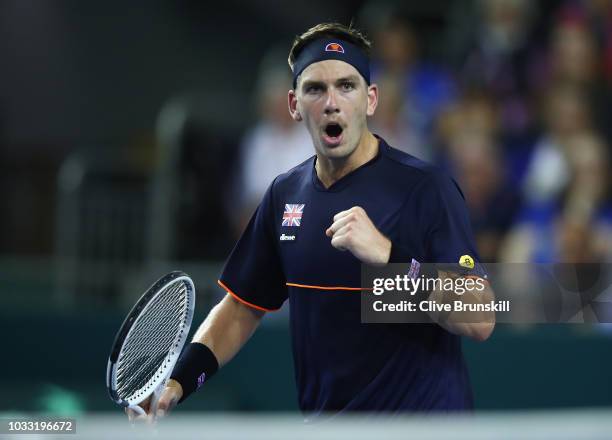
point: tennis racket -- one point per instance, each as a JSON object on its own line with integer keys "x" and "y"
{"x": 150, "y": 341}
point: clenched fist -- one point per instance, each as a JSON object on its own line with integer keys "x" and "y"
{"x": 352, "y": 230}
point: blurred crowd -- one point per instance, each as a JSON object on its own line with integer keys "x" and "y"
{"x": 513, "y": 103}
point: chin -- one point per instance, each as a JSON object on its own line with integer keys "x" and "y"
{"x": 341, "y": 151}
{"x": 336, "y": 152}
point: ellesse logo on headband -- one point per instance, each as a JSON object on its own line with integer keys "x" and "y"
{"x": 334, "y": 47}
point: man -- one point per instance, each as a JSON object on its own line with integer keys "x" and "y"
{"x": 356, "y": 201}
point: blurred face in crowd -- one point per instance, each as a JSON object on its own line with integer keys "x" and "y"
{"x": 588, "y": 159}
{"x": 474, "y": 155}
{"x": 333, "y": 100}
{"x": 576, "y": 241}
{"x": 506, "y": 21}
{"x": 567, "y": 112}
{"x": 470, "y": 115}
{"x": 505, "y": 12}
{"x": 397, "y": 46}
{"x": 574, "y": 53}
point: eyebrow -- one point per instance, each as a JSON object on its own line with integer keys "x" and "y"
{"x": 310, "y": 83}
{"x": 351, "y": 78}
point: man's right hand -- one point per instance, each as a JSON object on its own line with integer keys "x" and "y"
{"x": 170, "y": 396}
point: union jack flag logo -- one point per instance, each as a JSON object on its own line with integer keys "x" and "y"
{"x": 293, "y": 214}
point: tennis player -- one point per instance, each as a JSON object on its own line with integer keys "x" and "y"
{"x": 356, "y": 200}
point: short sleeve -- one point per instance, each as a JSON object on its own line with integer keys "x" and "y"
{"x": 253, "y": 272}
{"x": 444, "y": 224}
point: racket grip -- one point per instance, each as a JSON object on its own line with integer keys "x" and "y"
{"x": 156, "y": 395}
{"x": 138, "y": 409}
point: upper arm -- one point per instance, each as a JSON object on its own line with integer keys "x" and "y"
{"x": 449, "y": 240}
{"x": 243, "y": 310}
{"x": 253, "y": 273}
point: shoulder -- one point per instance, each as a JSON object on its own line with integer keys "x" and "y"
{"x": 296, "y": 176}
{"x": 423, "y": 176}
{"x": 407, "y": 161}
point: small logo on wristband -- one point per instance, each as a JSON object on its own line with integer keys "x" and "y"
{"x": 415, "y": 268}
{"x": 201, "y": 380}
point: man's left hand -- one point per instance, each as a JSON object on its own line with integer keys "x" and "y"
{"x": 353, "y": 230}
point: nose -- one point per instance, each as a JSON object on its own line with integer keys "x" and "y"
{"x": 331, "y": 104}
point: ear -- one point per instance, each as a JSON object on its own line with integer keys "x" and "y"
{"x": 372, "y": 99}
{"x": 293, "y": 104}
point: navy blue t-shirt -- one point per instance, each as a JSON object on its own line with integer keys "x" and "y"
{"x": 340, "y": 363}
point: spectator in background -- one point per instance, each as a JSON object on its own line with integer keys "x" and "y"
{"x": 566, "y": 115}
{"x": 469, "y": 135}
{"x": 599, "y": 16}
{"x": 390, "y": 121}
{"x": 274, "y": 144}
{"x": 573, "y": 50}
{"x": 492, "y": 202}
{"x": 576, "y": 57}
{"x": 474, "y": 112}
{"x": 576, "y": 227}
{"x": 416, "y": 90}
{"x": 584, "y": 227}
{"x": 494, "y": 45}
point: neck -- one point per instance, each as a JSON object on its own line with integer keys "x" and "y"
{"x": 330, "y": 170}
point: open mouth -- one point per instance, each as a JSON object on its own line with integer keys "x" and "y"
{"x": 332, "y": 135}
{"x": 333, "y": 130}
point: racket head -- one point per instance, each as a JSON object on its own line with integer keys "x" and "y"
{"x": 140, "y": 360}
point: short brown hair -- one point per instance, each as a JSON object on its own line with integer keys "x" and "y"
{"x": 329, "y": 30}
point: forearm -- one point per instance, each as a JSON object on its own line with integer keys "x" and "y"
{"x": 477, "y": 325}
{"x": 228, "y": 326}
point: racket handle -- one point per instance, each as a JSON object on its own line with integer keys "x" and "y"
{"x": 156, "y": 395}
{"x": 138, "y": 409}
{"x": 154, "y": 399}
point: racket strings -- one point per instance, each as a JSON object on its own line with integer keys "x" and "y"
{"x": 151, "y": 340}
{"x": 161, "y": 333}
{"x": 142, "y": 361}
{"x": 142, "y": 336}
